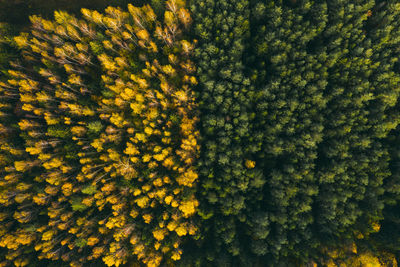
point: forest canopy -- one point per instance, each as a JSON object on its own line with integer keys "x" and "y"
{"x": 201, "y": 133}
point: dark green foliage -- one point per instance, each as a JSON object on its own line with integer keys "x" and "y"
{"x": 289, "y": 82}
{"x": 7, "y": 47}
{"x": 388, "y": 238}
{"x": 95, "y": 127}
{"x": 307, "y": 91}
{"x": 225, "y": 99}
{"x": 158, "y": 6}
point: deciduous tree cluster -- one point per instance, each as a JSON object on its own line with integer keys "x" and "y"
{"x": 99, "y": 164}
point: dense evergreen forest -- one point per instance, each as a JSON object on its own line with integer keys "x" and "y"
{"x": 197, "y": 133}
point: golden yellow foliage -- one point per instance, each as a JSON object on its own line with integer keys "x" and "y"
{"x": 250, "y": 164}
{"x": 188, "y": 208}
{"x": 103, "y": 156}
{"x": 159, "y": 234}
